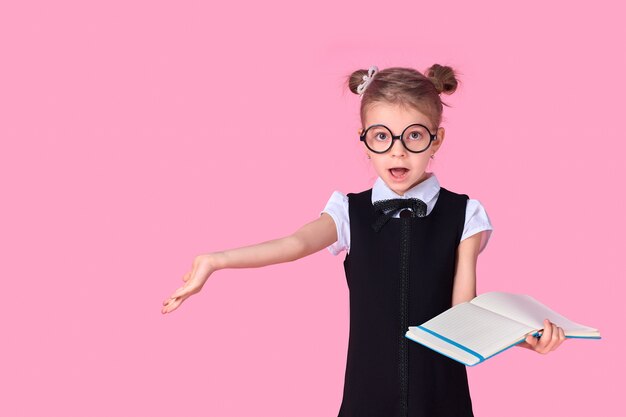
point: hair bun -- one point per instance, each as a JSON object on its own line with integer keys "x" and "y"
{"x": 443, "y": 78}
{"x": 356, "y": 78}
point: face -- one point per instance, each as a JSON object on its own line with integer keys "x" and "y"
{"x": 399, "y": 168}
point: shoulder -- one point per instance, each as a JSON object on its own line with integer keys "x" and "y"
{"x": 452, "y": 194}
{"x": 337, "y": 208}
{"x": 452, "y": 199}
{"x": 339, "y": 199}
{"x": 338, "y": 196}
{"x": 360, "y": 195}
{"x": 476, "y": 215}
{"x": 337, "y": 204}
{"x": 477, "y": 220}
{"x": 472, "y": 205}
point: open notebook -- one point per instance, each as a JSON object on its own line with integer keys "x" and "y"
{"x": 474, "y": 331}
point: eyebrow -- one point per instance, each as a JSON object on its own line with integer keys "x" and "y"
{"x": 410, "y": 124}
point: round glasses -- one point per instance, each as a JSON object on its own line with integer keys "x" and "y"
{"x": 416, "y": 138}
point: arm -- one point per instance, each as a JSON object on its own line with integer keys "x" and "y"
{"x": 464, "y": 288}
{"x": 309, "y": 239}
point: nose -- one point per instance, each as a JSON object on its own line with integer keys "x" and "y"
{"x": 397, "y": 148}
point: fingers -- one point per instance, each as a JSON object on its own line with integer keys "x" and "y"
{"x": 551, "y": 338}
{"x": 177, "y": 296}
{"x": 193, "y": 282}
{"x": 532, "y": 341}
{"x": 180, "y": 291}
{"x": 188, "y": 287}
{"x": 172, "y": 305}
{"x": 545, "y": 338}
{"x": 561, "y": 337}
{"x": 175, "y": 300}
{"x": 557, "y": 337}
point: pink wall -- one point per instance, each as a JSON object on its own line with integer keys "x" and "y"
{"x": 135, "y": 135}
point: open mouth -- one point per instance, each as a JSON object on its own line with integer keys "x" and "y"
{"x": 398, "y": 173}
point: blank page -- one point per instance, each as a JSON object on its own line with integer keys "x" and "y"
{"x": 527, "y": 310}
{"x": 477, "y": 329}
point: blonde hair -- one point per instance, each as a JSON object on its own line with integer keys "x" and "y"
{"x": 407, "y": 87}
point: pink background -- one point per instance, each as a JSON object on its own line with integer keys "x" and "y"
{"x": 136, "y": 135}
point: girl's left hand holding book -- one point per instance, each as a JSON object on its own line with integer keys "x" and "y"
{"x": 549, "y": 340}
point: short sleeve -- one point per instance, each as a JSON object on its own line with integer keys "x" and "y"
{"x": 476, "y": 221}
{"x": 337, "y": 208}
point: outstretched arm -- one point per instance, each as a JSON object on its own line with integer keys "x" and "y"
{"x": 309, "y": 239}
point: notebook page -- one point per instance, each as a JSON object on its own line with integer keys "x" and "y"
{"x": 527, "y": 310}
{"x": 477, "y": 329}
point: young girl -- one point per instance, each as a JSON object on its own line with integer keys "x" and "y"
{"x": 411, "y": 246}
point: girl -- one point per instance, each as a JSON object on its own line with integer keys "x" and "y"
{"x": 411, "y": 247}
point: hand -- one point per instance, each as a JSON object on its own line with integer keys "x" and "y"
{"x": 551, "y": 339}
{"x": 194, "y": 281}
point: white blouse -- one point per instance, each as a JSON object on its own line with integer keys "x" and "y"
{"x": 476, "y": 219}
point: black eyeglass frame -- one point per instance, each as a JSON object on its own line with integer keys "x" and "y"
{"x": 432, "y": 138}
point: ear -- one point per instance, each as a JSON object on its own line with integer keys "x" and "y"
{"x": 441, "y": 133}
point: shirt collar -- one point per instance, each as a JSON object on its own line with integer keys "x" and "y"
{"x": 426, "y": 191}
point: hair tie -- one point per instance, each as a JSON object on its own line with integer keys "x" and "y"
{"x": 367, "y": 79}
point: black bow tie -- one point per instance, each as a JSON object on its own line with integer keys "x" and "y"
{"x": 386, "y": 209}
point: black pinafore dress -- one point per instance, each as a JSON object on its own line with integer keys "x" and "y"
{"x": 398, "y": 277}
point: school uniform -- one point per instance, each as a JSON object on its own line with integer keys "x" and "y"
{"x": 399, "y": 269}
